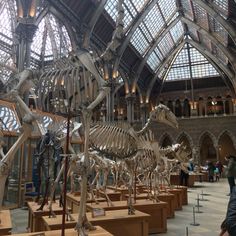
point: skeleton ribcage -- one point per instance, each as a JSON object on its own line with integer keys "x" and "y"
{"x": 74, "y": 87}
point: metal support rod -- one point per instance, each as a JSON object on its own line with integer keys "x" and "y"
{"x": 65, "y": 174}
{"x": 194, "y": 220}
{"x": 186, "y": 231}
{"x": 198, "y": 205}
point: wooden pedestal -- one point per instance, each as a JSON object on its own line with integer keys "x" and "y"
{"x": 70, "y": 232}
{"x": 164, "y": 197}
{"x": 175, "y": 179}
{"x": 122, "y": 190}
{"x": 116, "y": 222}
{"x": 112, "y": 194}
{"x": 184, "y": 190}
{"x": 35, "y": 222}
{"x": 5, "y": 224}
{"x": 178, "y": 197}
{"x": 169, "y": 198}
{"x": 157, "y": 210}
{"x": 73, "y": 201}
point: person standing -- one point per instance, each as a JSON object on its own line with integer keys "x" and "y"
{"x": 228, "y": 226}
{"x": 231, "y": 171}
{"x": 184, "y": 174}
{"x": 219, "y": 165}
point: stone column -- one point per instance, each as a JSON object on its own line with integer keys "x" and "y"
{"x": 234, "y": 106}
{"x": 194, "y": 109}
{"x": 205, "y": 103}
{"x": 224, "y": 113}
{"x": 130, "y": 99}
{"x": 196, "y": 155}
{"x": 110, "y": 104}
{"x": 182, "y": 109}
{"x": 144, "y": 113}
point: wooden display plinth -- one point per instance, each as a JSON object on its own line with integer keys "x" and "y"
{"x": 116, "y": 222}
{"x": 35, "y": 222}
{"x": 184, "y": 194}
{"x": 164, "y": 197}
{"x": 112, "y": 194}
{"x": 157, "y": 211}
{"x": 175, "y": 179}
{"x": 123, "y": 191}
{"x": 169, "y": 198}
{"x": 73, "y": 201}
{"x": 5, "y": 224}
{"x": 69, "y": 232}
{"x": 178, "y": 197}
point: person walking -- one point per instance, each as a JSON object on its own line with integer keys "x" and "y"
{"x": 231, "y": 171}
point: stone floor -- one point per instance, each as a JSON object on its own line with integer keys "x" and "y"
{"x": 213, "y": 212}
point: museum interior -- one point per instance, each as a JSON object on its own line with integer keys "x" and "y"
{"x": 112, "y": 114}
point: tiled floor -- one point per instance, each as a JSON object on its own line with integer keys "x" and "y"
{"x": 213, "y": 213}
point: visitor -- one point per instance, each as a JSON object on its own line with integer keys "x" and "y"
{"x": 219, "y": 165}
{"x": 228, "y": 226}
{"x": 230, "y": 171}
{"x": 191, "y": 165}
{"x": 184, "y": 173}
{"x": 210, "y": 169}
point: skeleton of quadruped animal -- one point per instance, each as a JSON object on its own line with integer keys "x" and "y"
{"x": 127, "y": 144}
{"x": 66, "y": 85}
{"x": 29, "y": 119}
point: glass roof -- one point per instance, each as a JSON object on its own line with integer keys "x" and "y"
{"x": 163, "y": 13}
{"x": 51, "y": 40}
{"x": 8, "y": 118}
{"x": 199, "y": 65}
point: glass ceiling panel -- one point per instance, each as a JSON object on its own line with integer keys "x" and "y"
{"x": 153, "y": 60}
{"x": 187, "y": 9}
{"x": 139, "y": 4}
{"x": 110, "y": 7}
{"x": 131, "y": 9}
{"x": 146, "y": 32}
{"x": 159, "y": 53}
{"x": 139, "y": 41}
{"x": 166, "y": 44}
{"x": 5, "y": 23}
{"x": 222, "y": 5}
{"x": 200, "y": 66}
{"x": 177, "y": 31}
{"x": 50, "y": 39}
{"x": 168, "y": 7}
{"x": 154, "y": 21}
{"x": 8, "y": 119}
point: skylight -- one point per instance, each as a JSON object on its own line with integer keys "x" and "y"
{"x": 200, "y": 66}
{"x": 51, "y": 40}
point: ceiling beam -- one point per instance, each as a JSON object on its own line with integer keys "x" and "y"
{"x": 205, "y": 51}
{"x": 209, "y": 35}
{"x": 154, "y": 44}
{"x": 168, "y": 59}
{"x": 135, "y": 24}
{"x": 92, "y": 23}
{"x": 211, "y": 10}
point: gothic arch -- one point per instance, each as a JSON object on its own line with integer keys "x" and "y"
{"x": 226, "y": 144}
{"x": 184, "y": 134}
{"x": 205, "y": 133}
{"x": 208, "y": 148}
{"x": 230, "y": 134}
{"x": 164, "y": 137}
